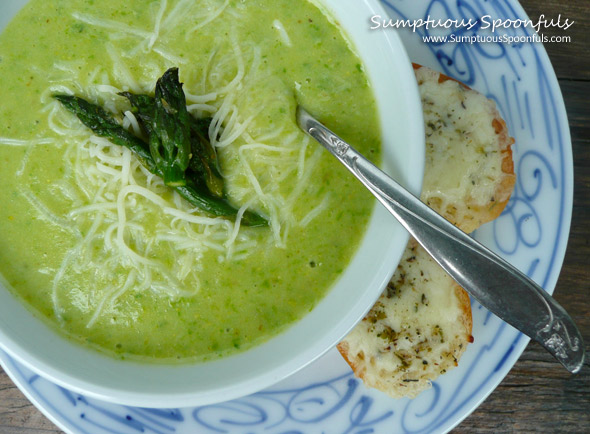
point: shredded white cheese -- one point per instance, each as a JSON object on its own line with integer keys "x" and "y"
{"x": 156, "y": 32}
{"x": 124, "y": 219}
{"x": 282, "y": 33}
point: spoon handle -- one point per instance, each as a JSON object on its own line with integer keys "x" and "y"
{"x": 492, "y": 281}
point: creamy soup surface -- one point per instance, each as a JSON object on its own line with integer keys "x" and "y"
{"x": 103, "y": 250}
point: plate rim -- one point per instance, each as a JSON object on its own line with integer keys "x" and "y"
{"x": 567, "y": 210}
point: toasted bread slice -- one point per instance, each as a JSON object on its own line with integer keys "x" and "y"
{"x": 417, "y": 330}
{"x": 469, "y": 173}
{"x": 421, "y": 324}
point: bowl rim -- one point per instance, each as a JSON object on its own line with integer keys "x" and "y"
{"x": 177, "y": 385}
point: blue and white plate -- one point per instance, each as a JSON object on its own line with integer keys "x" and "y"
{"x": 532, "y": 234}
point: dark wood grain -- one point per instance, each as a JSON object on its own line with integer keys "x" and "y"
{"x": 570, "y": 60}
{"x": 17, "y": 414}
{"x": 537, "y": 395}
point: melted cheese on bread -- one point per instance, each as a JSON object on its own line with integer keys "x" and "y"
{"x": 415, "y": 332}
{"x": 468, "y": 176}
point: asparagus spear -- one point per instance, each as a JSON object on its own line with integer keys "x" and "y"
{"x": 221, "y": 207}
{"x": 170, "y": 139}
{"x": 104, "y": 125}
{"x": 207, "y": 162}
{"x": 200, "y": 131}
{"x": 204, "y": 160}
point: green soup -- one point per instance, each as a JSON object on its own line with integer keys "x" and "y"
{"x": 103, "y": 250}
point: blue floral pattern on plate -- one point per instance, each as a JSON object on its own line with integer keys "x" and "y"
{"x": 531, "y": 233}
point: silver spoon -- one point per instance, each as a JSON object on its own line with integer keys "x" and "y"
{"x": 497, "y": 285}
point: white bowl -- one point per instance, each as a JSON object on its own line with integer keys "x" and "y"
{"x": 82, "y": 370}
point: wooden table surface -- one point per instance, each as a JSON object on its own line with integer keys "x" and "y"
{"x": 538, "y": 394}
